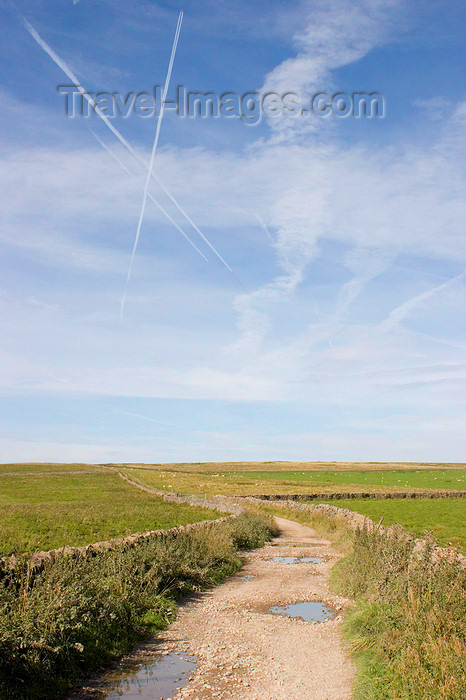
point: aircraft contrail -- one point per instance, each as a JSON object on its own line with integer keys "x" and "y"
{"x": 264, "y": 227}
{"x": 152, "y": 158}
{"x": 61, "y": 64}
{"x": 126, "y": 169}
{"x": 110, "y": 152}
{"x": 190, "y": 221}
{"x": 399, "y": 313}
{"x": 68, "y": 72}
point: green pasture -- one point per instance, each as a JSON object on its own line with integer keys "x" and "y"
{"x": 248, "y": 482}
{"x": 445, "y": 518}
{"x": 415, "y": 479}
{"x": 46, "y": 467}
{"x": 45, "y": 511}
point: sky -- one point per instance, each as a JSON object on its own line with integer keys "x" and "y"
{"x": 205, "y": 288}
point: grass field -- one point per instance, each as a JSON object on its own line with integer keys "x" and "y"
{"x": 198, "y": 479}
{"x": 46, "y": 467}
{"x": 41, "y": 512}
{"x": 445, "y": 518}
{"x": 420, "y": 479}
{"x": 224, "y": 467}
{"x": 49, "y": 505}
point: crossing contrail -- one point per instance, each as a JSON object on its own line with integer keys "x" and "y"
{"x": 69, "y": 73}
{"x": 152, "y": 158}
{"x": 127, "y": 170}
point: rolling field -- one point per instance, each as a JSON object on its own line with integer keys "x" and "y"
{"x": 225, "y": 467}
{"x": 228, "y": 480}
{"x": 445, "y": 518}
{"x": 39, "y": 512}
{"x": 46, "y": 467}
{"x": 413, "y": 479}
{"x": 49, "y": 505}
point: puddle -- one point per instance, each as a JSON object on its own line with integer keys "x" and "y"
{"x": 309, "y": 612}
{"x": 160, "y": 678}
{"x": 297, "y": 560}
{"x": 313, "y": 560}
{"x": 247, "y": 577}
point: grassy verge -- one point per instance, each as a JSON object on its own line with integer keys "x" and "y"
{"x": 332, "y": 528}
{"x": 407, "y": 631}
{"x": 79, "y": 613}
{"x": 40, "y": 512}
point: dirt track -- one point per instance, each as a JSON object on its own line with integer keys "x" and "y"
{"x": 245, "y": 652}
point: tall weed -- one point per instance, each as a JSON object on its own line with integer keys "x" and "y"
{"x": 408, "y": 629}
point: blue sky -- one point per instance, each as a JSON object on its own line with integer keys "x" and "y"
{"x": 338, "y": 334}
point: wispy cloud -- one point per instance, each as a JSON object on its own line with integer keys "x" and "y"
{"x": 333, "y": 34}
{"x": 404, "y": 310}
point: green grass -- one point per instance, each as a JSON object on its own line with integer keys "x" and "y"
{"x": 407, "y": 631}
{"x": 27, "y": 467}
{"x": 417, "y": 478}
{"x": 43, "y": 512}
{"x": 445, "y": 518}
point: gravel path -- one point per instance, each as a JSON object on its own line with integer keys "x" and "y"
{"x": 245, "y": 652}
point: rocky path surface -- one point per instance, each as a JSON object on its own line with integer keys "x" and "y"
{"x": 247, "y": 653}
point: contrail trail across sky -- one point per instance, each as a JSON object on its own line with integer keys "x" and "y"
{"x": 69, "y": 73}
{"x": 127, "y": 170}
{"x": 152, "y": 158}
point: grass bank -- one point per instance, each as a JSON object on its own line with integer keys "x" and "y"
{"x": 407, "y": 631}
{"x": 81, "y": 612}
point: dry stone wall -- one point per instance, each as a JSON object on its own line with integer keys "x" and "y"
{"x": 364, "y": 494}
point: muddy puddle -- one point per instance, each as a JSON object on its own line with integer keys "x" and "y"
{"x": 247, "y": 577}
{"x": 158, "y": 679}
{"x": 297, "y": 560}
{"x": 315, "y": 611}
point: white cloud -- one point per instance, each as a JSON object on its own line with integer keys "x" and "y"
{"x": 75, "y": 210}
{"x": 335, "y": 33}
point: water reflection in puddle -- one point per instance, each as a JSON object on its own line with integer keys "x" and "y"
{"x": 159, "y": 679}
{"x": 309, "y": 612}
{"x": 297, "y": 560}
{"x": 247, "y": 577}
